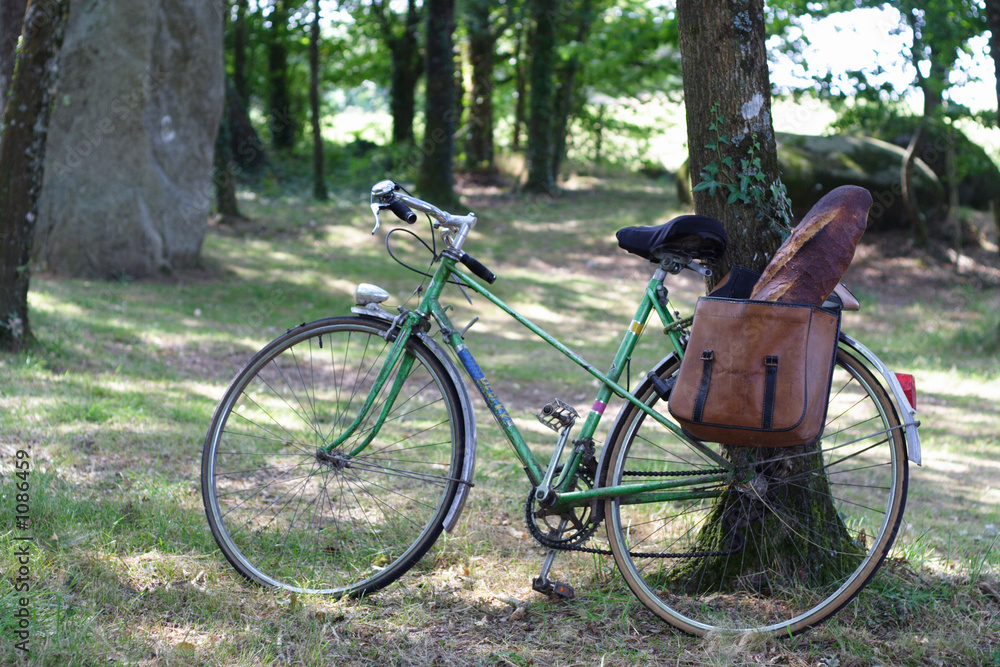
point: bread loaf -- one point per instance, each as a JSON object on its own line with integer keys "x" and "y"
{"x": 811, "y": 262}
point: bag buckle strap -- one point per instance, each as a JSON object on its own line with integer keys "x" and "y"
{"x": 770, "y": 390}
{"x": 707, "y": 357}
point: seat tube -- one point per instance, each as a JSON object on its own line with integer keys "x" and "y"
{"x": 622, "y": 357}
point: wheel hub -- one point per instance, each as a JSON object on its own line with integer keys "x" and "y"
{"x": 334, "y": 461}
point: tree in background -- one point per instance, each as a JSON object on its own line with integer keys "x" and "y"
{"x": 402, "y": 36}
{"x": 541, "y": 144}
{"x": 993, "y": 21}
{"x": 436, "y": 178}
{"x": 225, "y": 169}
{"x": 241, "y": 38}
{"x": 941, "y": 30}
{"x": 567, "y": 73}
{"x": 484, "y": 25}
{"x": 319, "y": 185}
{"x": 22, "y": 162}
{"x": 283, "y": 123}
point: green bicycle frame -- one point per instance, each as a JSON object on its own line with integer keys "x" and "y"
{"x": 654, "y": 299}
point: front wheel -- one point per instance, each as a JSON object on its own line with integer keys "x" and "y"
{"x": 286, "y": 515}
{"x": 794, "y": 540}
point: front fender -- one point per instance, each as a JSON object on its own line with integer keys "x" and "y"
{"x": 468, "y": 413}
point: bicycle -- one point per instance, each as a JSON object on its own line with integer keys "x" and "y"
{"x": 343, "y": 449}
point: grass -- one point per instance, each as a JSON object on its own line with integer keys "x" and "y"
{"x": 113, "y": 402}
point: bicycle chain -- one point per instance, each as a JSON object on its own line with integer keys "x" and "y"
{"x": 584, "y": 535}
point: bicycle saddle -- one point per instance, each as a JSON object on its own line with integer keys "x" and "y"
{"x": 695, "y": 236}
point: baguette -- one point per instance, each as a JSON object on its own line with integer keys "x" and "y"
{"x": 812, "y": 261}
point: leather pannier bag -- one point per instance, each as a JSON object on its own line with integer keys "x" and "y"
{"x": 756, "y": 373}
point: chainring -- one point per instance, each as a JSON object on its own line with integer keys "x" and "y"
{"x": 544, "y": 524}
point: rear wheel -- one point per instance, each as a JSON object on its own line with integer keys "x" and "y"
{"x": 764, "y": 555}
{"x": 285, "y": 515}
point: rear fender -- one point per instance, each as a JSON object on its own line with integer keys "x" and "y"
{"x": 906, "y": 412}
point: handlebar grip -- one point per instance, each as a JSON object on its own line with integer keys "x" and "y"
{"x": 403, "y": 211}
{"x": 478, "y": 268}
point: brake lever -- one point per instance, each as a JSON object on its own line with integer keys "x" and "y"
{"x": 381, "y": 190}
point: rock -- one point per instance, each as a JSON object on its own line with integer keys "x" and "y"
{"x": 978, "y": 176}
{"x": 812, "y": 166}
{"x": 128, "y": 175}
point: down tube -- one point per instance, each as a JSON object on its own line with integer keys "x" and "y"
{"x": 604, "y": 379}
{"x": 496, "y": 406}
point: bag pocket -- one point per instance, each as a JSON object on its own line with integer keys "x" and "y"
{"x": 756, "y": 373}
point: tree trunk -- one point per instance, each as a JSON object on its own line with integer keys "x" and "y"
{"x": 319, "y": 184}
{"x": 541, "y": 177}
{"x": 918, "y": 219}
{"x": 934, "y": 84}
{"x": 240, "y": 41}
{"x": 479, "y": 148}
{"x": 993, "y": 21}
{"x": 224, "y": 167}
{"x": 282, "y": 123}
{"x": 436, "y": 177}
{"x": 11, "y": 19}
{"x": 22, "y": 162}
{"x": 730, "y": 135}
{"x": 246, "y": 147}
{"x": 566, "y": 95}
{"x": 731, "y": 144}
{"x": 522, "y": 91}
{"x": 407, "y": 65}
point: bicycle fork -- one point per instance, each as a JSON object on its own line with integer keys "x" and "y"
{"x": 402, "y": 362}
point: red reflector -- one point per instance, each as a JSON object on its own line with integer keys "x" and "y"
{"x": 909, "y": 386}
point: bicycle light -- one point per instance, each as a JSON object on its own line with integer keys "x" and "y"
{"x": 909, "y": 385}
{"x": 366, "y": 293}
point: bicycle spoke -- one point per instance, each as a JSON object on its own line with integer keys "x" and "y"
{"x": 287, "y": 516}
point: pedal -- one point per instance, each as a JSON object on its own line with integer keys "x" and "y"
{"x": 553, "y": 588}
{"x": 557, "y": 415}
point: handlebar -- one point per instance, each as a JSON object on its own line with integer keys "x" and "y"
{"x": 402, "y": 211}
{"x": 389, "y": 195}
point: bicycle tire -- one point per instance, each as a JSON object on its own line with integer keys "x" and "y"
{"x": 285, "y": 518}
{"x": 766, "y": 556}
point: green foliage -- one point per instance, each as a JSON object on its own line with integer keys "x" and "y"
{"x": 631, "y": 50}
{"x": 747, "y": 182}
{"x": 941, "y": 30}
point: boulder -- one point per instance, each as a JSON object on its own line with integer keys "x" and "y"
{"x": 978, "y": 176}
{"x": 811, "y": 166}
{"x": 128, "y": 173}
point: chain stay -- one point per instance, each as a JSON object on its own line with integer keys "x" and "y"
{"x": 574, "y": 543}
